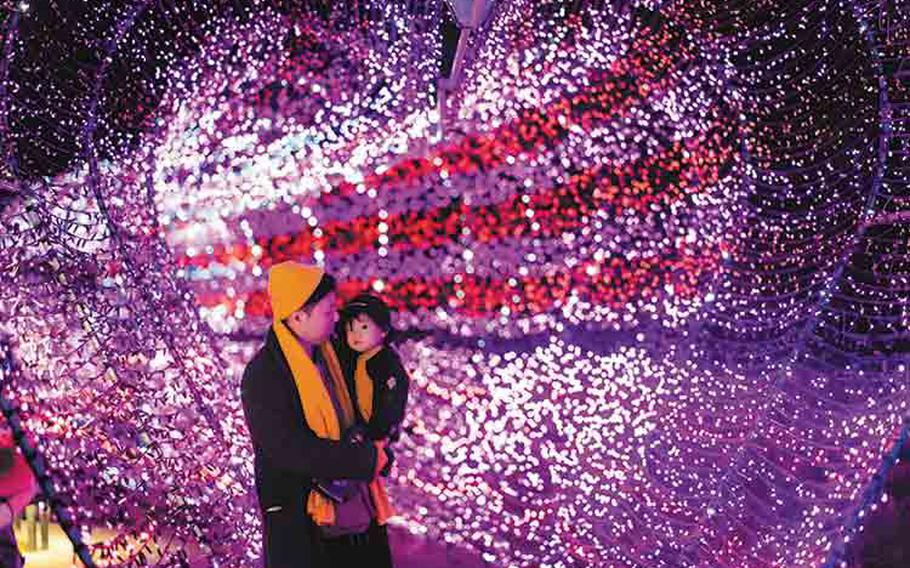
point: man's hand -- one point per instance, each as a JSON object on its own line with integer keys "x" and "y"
{"x": 382, "y": 458}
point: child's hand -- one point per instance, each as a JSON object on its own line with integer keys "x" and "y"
{"x": 356, "y": 434}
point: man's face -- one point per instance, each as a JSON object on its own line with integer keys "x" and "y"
{"x": 315, "y": 324}
{"x": 363, "y": 334}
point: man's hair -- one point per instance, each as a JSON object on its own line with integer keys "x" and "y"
{"x": 325, "y": 287}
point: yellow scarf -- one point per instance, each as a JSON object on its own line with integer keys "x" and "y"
{"x": 290, "y": 285}
{"x": 364, "y": 384}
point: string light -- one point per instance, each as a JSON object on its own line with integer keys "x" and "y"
{"x": 659, "y": 256}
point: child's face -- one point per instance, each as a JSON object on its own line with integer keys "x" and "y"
{"x": 364, "y": 334}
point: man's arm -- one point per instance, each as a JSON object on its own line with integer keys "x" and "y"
{"x": 297, "y": 449}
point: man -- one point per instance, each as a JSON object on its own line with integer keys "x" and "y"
{"x": 298, "y": 409}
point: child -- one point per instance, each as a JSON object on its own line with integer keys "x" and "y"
{"x": 380, "y": 381}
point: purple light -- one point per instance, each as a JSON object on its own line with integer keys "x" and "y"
{"x": 637, "y": 415}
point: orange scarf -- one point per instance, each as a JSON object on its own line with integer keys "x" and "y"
{"x": 364, "y": 384}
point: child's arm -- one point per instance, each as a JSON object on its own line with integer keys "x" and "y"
{"x": 390, "y": 394}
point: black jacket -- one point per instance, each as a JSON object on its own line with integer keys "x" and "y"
{"x": 288, "y": 455}
{"x": 390, "y": 394}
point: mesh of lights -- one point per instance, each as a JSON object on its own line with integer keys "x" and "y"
{"x": 660, "y": 251}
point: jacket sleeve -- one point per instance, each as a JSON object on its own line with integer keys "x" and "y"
{"x": 390, "y": 394}
{"x": 295, "y": 448}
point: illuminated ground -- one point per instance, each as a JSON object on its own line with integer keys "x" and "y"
{"x": 408, "y": 550}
